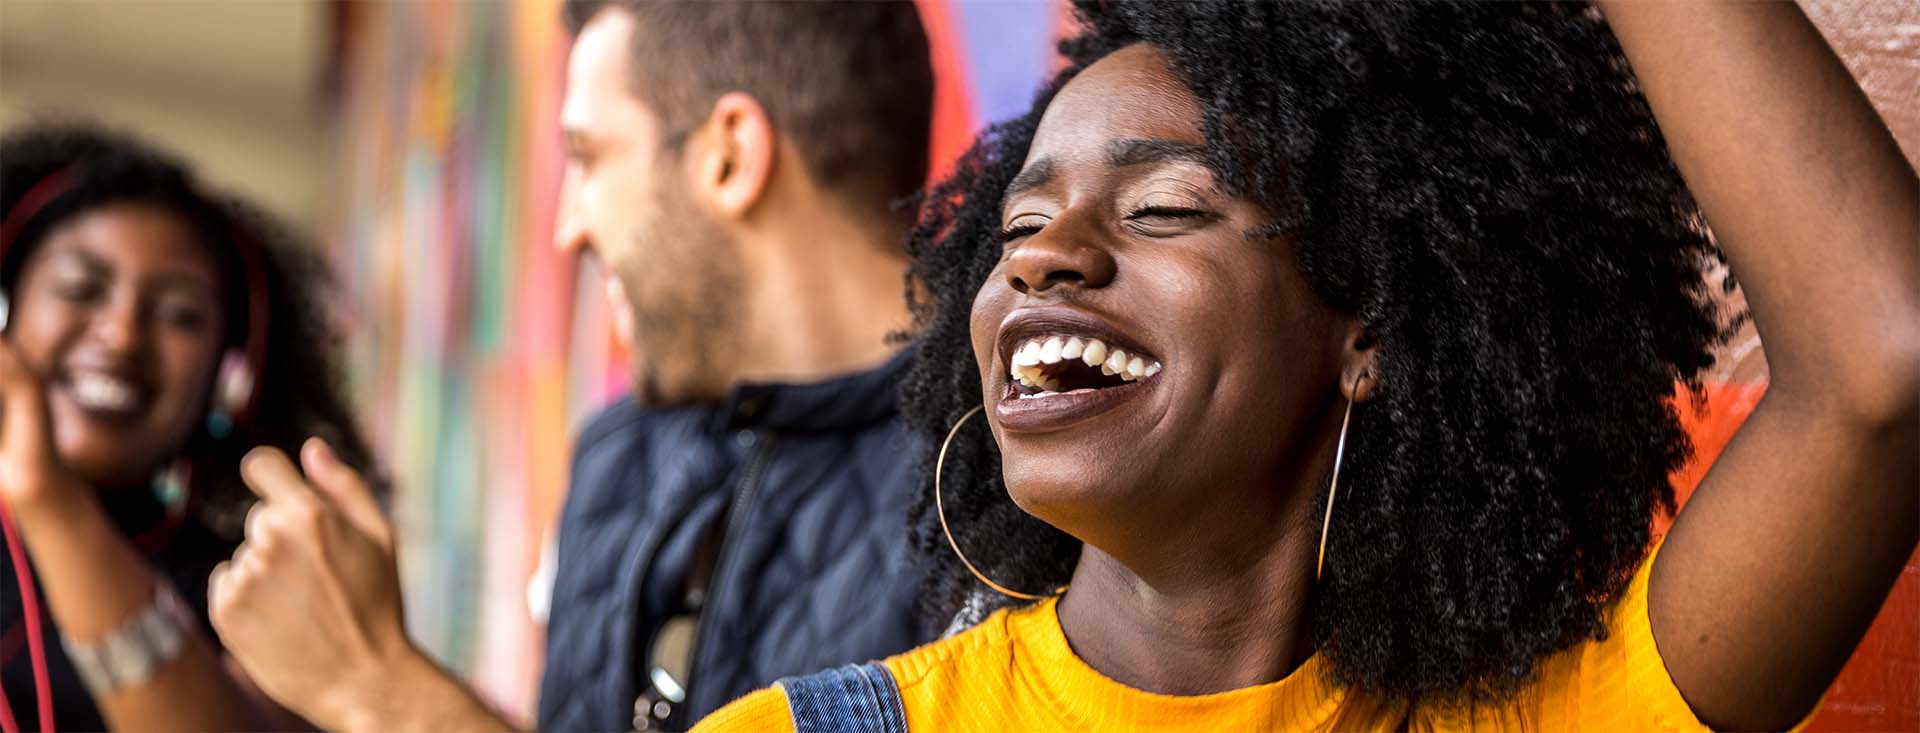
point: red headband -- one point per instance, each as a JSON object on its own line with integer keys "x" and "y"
{"x": 37, "y": 197}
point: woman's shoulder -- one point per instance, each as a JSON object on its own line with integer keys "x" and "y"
{"x": 762, "y": 711}
{"x": 985, "y": 646}
{"x": 1616, "y": 682}
{"x": 927, "y": 673}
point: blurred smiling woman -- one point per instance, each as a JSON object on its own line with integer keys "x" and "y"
{"x": 153, "y": 334}
{"x": 1328, "y": 355}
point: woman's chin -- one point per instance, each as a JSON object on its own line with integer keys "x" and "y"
{"x": 103, "y": 466}
{"x": 1067, "y": 498}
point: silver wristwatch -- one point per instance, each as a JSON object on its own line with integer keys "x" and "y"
{"x": 129, "y": 655}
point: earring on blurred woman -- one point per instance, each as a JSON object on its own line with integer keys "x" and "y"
{"x": 171, "y": 486}
{"x": 230, "y": 394}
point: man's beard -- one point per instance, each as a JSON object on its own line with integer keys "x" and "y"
{"x": 686, "y": 306}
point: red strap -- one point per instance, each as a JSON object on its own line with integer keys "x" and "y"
{"x": 36, "y": 644}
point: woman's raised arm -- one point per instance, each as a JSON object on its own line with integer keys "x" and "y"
{"x": 1782, "y": 557}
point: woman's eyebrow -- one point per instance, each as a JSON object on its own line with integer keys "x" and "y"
{"x": 1032, "y": 177}
{"x": 181, "y": 281}
{"x": 1120, "y": 154}
{"x": 89, "y": 262}
{"x": 1141, "y": 151}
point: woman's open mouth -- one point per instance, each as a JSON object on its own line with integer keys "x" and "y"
{"x": 105, "y": 396}
{"x": 1066, "y": 364}
{"x": 1059, "y": 374}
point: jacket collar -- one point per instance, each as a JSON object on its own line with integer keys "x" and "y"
{"x": 837, "y": 403}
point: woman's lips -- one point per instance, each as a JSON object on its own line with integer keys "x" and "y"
{"x": 1038, "y": 414}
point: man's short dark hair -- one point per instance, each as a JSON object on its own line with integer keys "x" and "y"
{"x": 850, "y": 83}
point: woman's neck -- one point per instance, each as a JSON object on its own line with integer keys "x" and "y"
{"x": 1223, "y": 616}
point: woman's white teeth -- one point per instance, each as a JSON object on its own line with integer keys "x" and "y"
{"x": 1050, "y": 351}
{"x": 1074, "y": 348}
{"x": 100, "y": 392}
{"x": 1096, "y": 353}
{"x": 1028, "y": 355}
{"x": 1028, "y": 361}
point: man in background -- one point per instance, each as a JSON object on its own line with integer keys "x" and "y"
{"x": 740, "y": 517}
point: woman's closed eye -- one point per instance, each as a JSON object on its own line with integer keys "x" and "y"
{"x": 81, "y": 289}
{"x": 1020, "y": 228}
{"x": 183, "y": 313}
{"x": 1167, "y": 220}
{"x": 1168, "y": 213}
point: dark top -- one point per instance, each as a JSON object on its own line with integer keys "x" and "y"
{"x": 184, "y": 552}
{"x": 808, "y": 488}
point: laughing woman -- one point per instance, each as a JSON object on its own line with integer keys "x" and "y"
{"x": 153, "y": 332}
{"x": 1328, "y": 355}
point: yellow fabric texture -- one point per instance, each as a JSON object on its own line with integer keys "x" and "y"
{"x": 1016, "y": 671}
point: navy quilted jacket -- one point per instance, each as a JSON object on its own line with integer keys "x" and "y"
{"x": 814, "y": 571}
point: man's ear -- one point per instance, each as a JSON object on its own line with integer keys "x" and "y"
{"x": 735, "y": 165}
{"x": 1359, "y": 372}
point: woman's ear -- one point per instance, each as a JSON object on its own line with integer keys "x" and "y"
{"x": 738, "y": 165}
{"x": 1359, "y": 372}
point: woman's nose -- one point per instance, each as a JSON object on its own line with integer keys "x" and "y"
{"x": 119, "y": 326}
{"x": 1059, "y": 255}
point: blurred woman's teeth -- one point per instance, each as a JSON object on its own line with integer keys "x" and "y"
{"x": 100, "y": 392}
{"x": 1027, "y": 365}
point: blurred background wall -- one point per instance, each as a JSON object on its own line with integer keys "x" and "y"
{"x": 233, "y": 86}
{"x": 419, "y": 140}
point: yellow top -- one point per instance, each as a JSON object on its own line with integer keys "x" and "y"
{"x": 1015, "y": 671}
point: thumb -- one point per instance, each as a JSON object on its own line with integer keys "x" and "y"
{"x": 345, "y": 488}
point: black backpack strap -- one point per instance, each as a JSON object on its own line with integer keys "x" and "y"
{"x": 856, "y": 698}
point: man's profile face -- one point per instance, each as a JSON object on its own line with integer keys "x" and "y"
{"x": 672, "y": 277}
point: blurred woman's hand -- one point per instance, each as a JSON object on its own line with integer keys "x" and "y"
{"x": 31, "y": 477}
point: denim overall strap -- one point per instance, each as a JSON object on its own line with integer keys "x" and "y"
{"x": 856, "y": 698}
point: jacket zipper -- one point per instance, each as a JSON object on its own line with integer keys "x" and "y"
{"x": 642, "y": 569}
{"x": 743, "y": 494}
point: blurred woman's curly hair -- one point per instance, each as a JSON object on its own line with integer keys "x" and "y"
{"x": 301, "y": 392}
{"x": 1484, "y": 187}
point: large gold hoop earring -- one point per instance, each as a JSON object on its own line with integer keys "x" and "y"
{"x": 1333, "y": 487}
{"x": 939, "y": 466}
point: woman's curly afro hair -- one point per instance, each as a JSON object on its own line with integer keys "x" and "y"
{"x": 300, "y": 392}
{"x": 1484, "y": 187}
